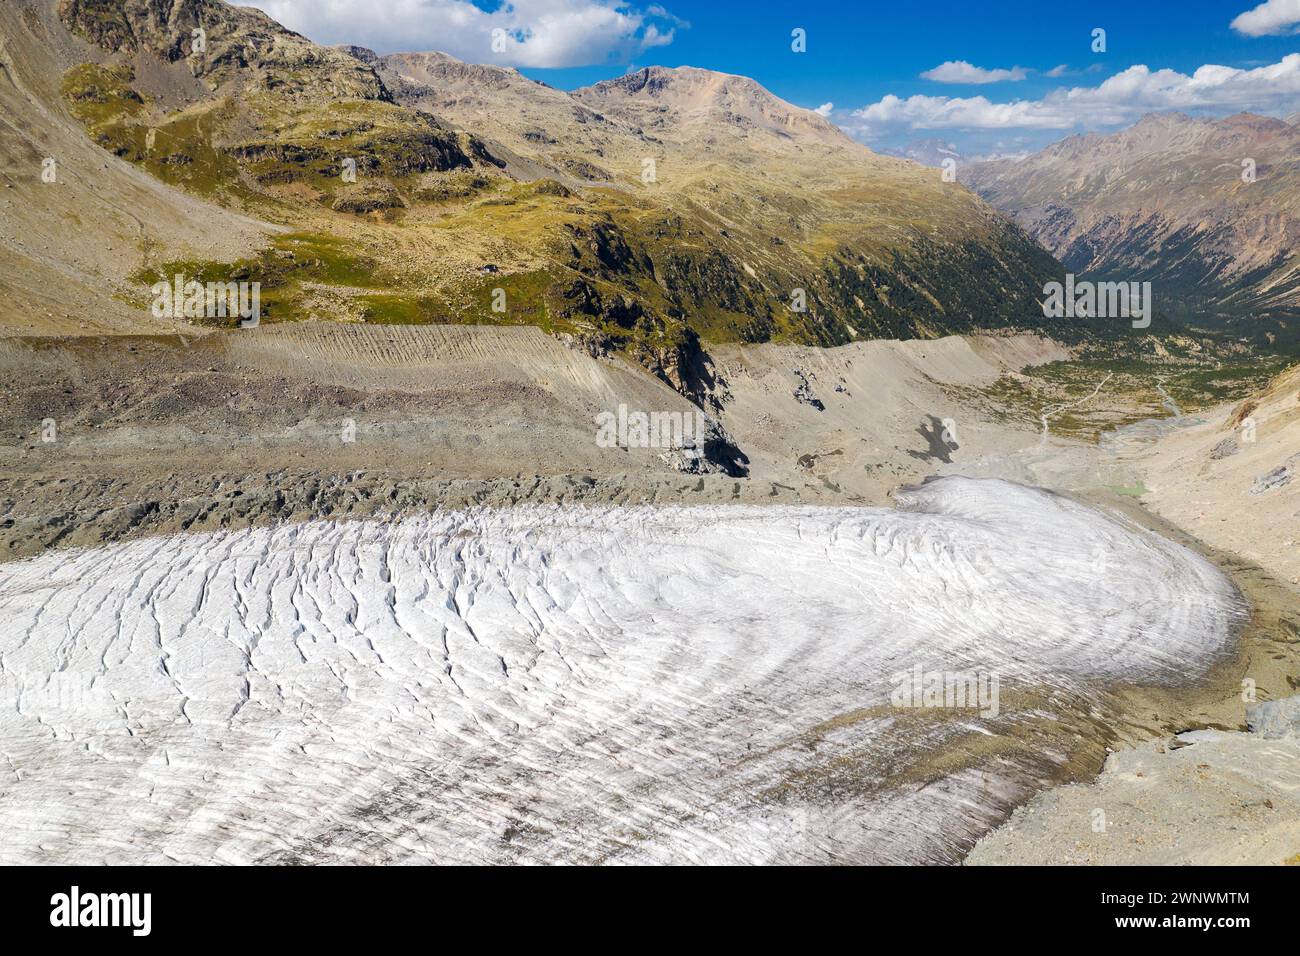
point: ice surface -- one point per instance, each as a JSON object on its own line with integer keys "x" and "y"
{"x": 557, "y": 683}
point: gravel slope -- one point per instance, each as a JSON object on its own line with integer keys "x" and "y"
{"x": 1204, "y": 798}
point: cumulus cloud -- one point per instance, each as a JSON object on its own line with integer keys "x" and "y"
{"x": 1122, "y": 98}
{"x": 1056, "y": 71}
{"x": 824, "y": 109}
{"x": 957, "y": 112}
{"x": 959, "y": 71}
{"x": 532, "y": 33}
{"x": 1271, "y": 18}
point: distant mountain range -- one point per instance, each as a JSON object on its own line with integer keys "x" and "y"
{"x": 753, "y": 197}
{"x": 1207, "y": 210}
{"x": 643, "y": 214}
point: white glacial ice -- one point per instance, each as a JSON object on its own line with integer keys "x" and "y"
{"x": 561, "y": 683}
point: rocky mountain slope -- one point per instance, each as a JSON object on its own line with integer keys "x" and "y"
{"x": 75, "y": 220}
{"x": 535, "y": 128}
{"x": 1200, "y": 798}
{"x": 644, "y": 215}
{"x": 1230, "y": 480}
{"x": 1207, "y": 210}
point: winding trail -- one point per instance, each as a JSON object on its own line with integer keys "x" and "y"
{"x": 1050, "y": 410}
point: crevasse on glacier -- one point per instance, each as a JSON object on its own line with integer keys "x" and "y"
{"x": 562, "y": 683}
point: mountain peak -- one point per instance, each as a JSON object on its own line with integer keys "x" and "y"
{"x": 1165, "y": 119}
{"x": 688, "y": 97}
{"x": 244, "y": 46}
{"x": 1253, "y": 122}
{"x": 659, "y": 80}
{"x": 433, "y": 66}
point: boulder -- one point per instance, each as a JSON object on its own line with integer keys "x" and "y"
{"x": 1275, "y": 719}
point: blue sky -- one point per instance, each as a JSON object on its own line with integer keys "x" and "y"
{"x": 868, "y": 59}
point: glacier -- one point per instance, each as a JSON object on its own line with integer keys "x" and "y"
{"x": 552, "y": 683}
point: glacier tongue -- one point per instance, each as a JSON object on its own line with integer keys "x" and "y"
{"x": 556, "y": 683}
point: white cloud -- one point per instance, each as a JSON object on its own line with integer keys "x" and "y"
{"x": 1122, "y": 98}
{"x": 824, "y": 109}
{"x": 955, "y": 112}
{"x": 536, "y": 33}
{"x": 959, "y": 71}
{"x": 1271, "y": 18}
{"x": 1056, "y": 71}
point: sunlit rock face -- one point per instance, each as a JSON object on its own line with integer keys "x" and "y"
{"x": 555, "y": 683}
